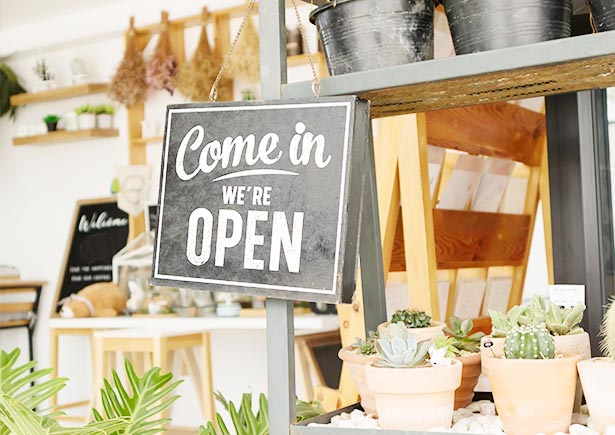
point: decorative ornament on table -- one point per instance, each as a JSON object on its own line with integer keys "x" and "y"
{"x": 245, "y": 64}
{"x": 103, "y": 299}
{"x": 162, "y": 67}
{"x": 128, "y": 85}
{"x": 195, "y": 79}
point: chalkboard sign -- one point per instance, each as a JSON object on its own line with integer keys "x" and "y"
{"x": 263, "y": 198}
{"x": 99, "y": 230}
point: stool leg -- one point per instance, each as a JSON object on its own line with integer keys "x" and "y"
{"x": 187, "y": 356}
{"x": 99, "y": 371}
{"x": 160, "y": 359}
{"x": 207, "y": 389}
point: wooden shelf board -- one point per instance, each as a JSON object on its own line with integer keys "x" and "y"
{"x": 469, "y": 239}
{"x": 547, "y": 68}
{"x": 502, "y": 130}
{"x": 148, "y": 140}
{"x": 59, "y": 93}
{"x": 66, "y": 136}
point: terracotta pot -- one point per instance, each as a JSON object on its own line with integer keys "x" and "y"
{"x": 598, "y": 380}
{"x": 422, "y": 333}
{"x": 469, "y": 378}
{"x": 414, "y": 398}
{"x": 533, "y": 396}
{"x": 356, "y": 364}
{"x": 575, "y": 344}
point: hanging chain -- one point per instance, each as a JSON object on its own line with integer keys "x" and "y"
{"x": 214, "y": 88}
{"x": 213, "y": 94}
{"x": 316, "y": 81}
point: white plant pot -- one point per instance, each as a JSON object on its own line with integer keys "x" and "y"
{"x": 104, "y": 121}
{"x": 87, "y": 121}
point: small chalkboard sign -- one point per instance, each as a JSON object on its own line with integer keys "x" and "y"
{"x": 263, "y": 198}
{"x": 99, "y": 230}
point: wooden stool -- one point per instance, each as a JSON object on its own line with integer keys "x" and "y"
{"x": 157, "y": 348}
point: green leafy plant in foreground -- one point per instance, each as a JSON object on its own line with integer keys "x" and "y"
{"x": 9, "y": 86}
{"x": 246, "y": 422}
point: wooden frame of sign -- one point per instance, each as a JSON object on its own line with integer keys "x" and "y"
{"x": 60, "y": 293}
{"x": 263, "y": 198}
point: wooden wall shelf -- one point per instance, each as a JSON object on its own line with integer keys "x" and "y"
{"x": 66, "y": 136}
{"x": 468, "y": 239}
{"x": 59, "y": 93}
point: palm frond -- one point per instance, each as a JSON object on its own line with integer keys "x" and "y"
{"x": 149, "y": 395}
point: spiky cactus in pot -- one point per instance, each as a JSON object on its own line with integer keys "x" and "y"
{"x": 607, "y": 331}
{"x": 529, "y": 342}
{"x": 412, "y": 318}
{"x": 398, "y": 347}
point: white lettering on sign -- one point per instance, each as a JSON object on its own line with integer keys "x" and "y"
{"x": 231, "y": 230}
{"x": 304, "y": 145}
{"x": 100, "y": 222}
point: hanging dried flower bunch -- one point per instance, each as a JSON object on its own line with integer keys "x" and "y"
{"x": 245, "y": 62}
{"x": 162, "y": 67}
{"x": 128, "y": 86}
{"x": 197, "y": 76}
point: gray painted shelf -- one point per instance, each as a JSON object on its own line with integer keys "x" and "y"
{"x": 552, "y": 67}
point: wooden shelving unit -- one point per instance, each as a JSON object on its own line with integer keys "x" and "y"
{"x": 147, "y": 140}
{"x": 66, "y": 136}
{"x": 59, "y": 93}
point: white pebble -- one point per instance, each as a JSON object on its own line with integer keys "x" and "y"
{"x": 460, "y": 427}
{"x": 487, "y": 408}
{"x": 498, "y": 423}
{"x": 476, "y": 427}
{"x": 345, "y": 416}
{"x": 346, "y": 423}
{"x": 336, "y": 419}
{"x": 486, "y": 419}
{"x": 492, "y": 429}
{"x": 610, "y": 430}
{"x": 579, "y": 429}
{"x": 473, "y": 407}
{"x": 580, "y": 419}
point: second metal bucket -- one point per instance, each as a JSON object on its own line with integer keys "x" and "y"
{"x": 481, "y": 25}
{"x": 360, "y": 35}
{"x": 603, "y": 14}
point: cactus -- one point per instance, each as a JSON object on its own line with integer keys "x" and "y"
{"x": 459, "y": 330}
{"x": 529, "y": 342}
{"x": 607, "y": 331}
{"x": 412, "y": 318}
{"x": 398, "y": 347}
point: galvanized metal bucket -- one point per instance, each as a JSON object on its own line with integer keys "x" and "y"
{"x": 603, "y": 14}
{"x": 481, "y": 25}
{"x": 360, "y": 35}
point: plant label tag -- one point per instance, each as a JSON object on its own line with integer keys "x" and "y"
{"x": 263, "y": 198}
{"x": 567, "y": 295}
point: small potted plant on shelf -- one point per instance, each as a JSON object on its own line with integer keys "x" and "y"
{"x": 466, "y": 349}
{"x": 411, "y": 392}
{"x": 52, "y": 122}
{"x": 357, "y": 357}
{"x": 104, "y": 116}
{"x": 360, "y": 35}
{"x": 533, "y": 387}
{"x": 602, "y": 15}
{"x": 598, "y": 376}
{"x": 481, "y": 25}
{"x": 86, "y": 117}
{"x": 418, "y": 321}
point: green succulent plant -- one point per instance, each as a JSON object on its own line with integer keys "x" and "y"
{"x": 86, "y": 108}
{"x": 104, "y": 109}
{"x": 441, "y": 341}
{"x": 366, "y": 347}
{"x": 398, "y": 347}
{"x": 51, "y": 118}
{"x": 459, "y": 331}
{"x": 412, "y": 318}
{"x": 529, "y": 342}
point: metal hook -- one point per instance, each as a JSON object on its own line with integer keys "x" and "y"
{"x": 316, "y": 87}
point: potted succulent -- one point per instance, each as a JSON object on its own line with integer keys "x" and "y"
{"x": 52, "y": 122}
{"x": 598, "y": 376}
{"x": 357, "y": 357}
{"x": 104, "y": 116}
{"x": 86, "y": 117}
{"x": 412, "y": 393}
{"x": 360, "y": 35}
{"x": 480, "y": 25}
{"x": 603, "y": 15}
{"x": 419, "y": 322}
{"x": 466, "y": 349}
{"x": 533, "y": 387}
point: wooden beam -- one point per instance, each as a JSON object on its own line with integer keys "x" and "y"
{"x": 502, "y": 130}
